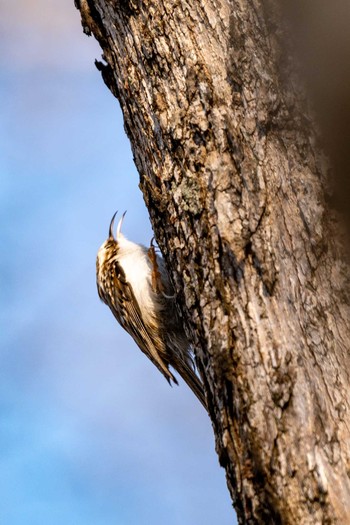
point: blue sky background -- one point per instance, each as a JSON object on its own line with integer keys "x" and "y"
{"x": 90, "y": 432}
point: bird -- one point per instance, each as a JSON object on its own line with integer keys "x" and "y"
{"x": 133, "y": 282}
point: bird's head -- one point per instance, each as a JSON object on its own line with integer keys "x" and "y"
{"x": 109, "y": 248}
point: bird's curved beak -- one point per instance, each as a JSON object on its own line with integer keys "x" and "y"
{"x": 110, "y": 233}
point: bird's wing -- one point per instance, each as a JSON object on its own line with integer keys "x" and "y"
{"x": 127, "y": 312}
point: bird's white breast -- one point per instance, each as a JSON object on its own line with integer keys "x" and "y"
{"x": 137, "y": 267}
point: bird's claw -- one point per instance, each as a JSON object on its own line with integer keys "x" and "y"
{"x": 157, "y": 284}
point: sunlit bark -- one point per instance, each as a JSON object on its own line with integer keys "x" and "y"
{"x": 238, "y": 197}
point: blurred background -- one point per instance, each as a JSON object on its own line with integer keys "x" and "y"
{"x": 90, "y": 432}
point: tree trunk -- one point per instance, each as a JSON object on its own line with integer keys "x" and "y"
{"x": 238, "y": 197}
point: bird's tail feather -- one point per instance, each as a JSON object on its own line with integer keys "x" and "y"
{"x": 192, "y": 380}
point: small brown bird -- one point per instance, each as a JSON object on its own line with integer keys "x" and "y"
{"x": 133, "y": 281}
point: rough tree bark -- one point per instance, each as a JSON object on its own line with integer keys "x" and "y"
{"x": 238, "y": 197}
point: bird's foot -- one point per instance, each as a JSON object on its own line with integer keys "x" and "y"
{"x": 157, "y": 284}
